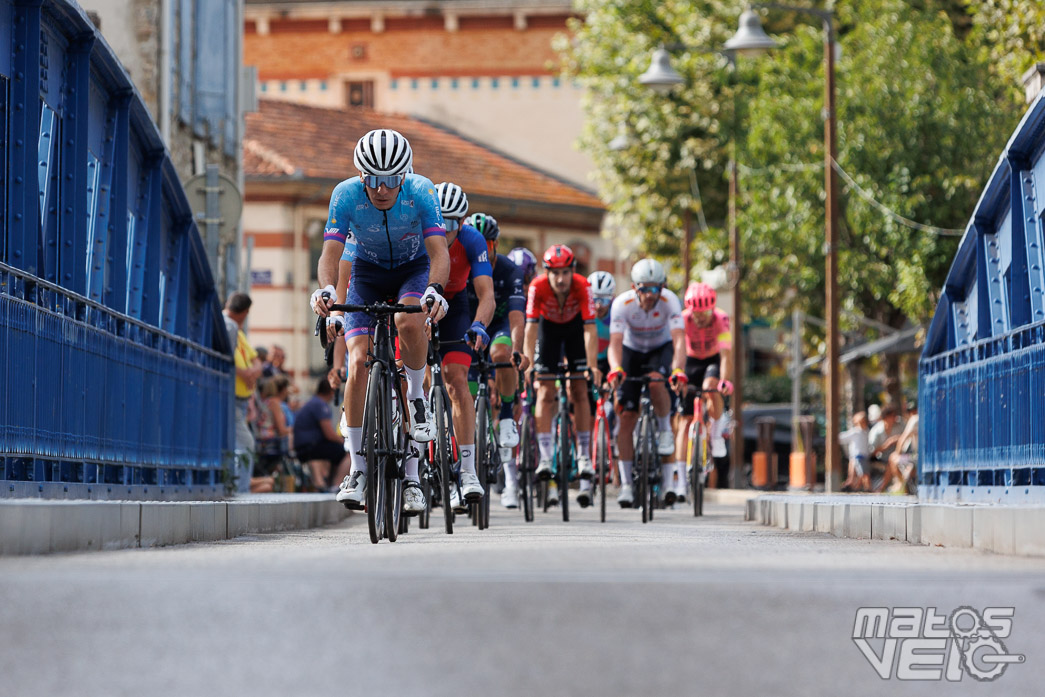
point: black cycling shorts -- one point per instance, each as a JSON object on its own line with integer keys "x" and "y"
{"x": 639, "y": 363}
{"x": 697, "y": 369}
{"x": 555, "y": 340}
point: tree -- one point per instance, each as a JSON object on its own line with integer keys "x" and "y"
{"x": 920, "y": 122}
{"x": 1011, "y": 33}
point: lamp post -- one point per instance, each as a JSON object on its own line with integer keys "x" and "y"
{"x": 750, "y": 38}
{"x": 662, "y": 78}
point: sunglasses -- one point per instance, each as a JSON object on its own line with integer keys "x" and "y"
{"x": 601, "y": 302}
{"x": 452, "y": 224}
{"x": 652, "y": 290}
{"x": 390, "y": 181}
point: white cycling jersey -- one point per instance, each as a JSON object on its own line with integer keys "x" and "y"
{"x": 645, "y": 331}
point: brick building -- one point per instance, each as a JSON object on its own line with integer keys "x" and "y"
{"x": 294, "y": 155}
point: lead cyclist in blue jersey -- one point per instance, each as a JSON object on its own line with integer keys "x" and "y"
{"x": 387, "y": 222}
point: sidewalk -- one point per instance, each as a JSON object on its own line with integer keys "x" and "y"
{"x": 41, "y": 526}
{"x": 992, "y": 528}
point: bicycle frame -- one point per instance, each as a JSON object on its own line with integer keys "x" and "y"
{"x": 563, "y": 471}
{"x": 487, "y": 447}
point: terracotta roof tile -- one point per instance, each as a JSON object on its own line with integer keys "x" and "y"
{"x": 286, "y": 139}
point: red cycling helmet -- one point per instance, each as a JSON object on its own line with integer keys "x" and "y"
{"x": 559, "y": 256}
{"x": 700, "y": 297}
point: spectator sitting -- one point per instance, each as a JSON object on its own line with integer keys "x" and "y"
{"x": 273, "y": 430}
{"x": 904, "y": 460}
{"x": 859, "y": 461}
{"x": 263, "y": 356}
{"x": 885, "y": 434}
{"x": 315, "y": 438}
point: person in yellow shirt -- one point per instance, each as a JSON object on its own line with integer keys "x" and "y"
{"x": 248, "y": 370}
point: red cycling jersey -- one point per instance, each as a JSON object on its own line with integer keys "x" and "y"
{"x": 541, "y": 301}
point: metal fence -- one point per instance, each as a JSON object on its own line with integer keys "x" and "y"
{"x": 982, "y": 372}
{"x": 115, "y": 376}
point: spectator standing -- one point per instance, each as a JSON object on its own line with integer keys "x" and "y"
{"x": 315, "y": 438}
{"x": 248, "y": 370}
{"x": 274, "y": 365}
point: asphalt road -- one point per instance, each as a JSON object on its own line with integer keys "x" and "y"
{"x": 680, "y": 606}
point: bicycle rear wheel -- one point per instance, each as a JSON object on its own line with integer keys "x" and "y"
{"x": 425, "y": 516}
{"x": 393, "y": 506}
{"x": 442, "y": 450}
{"x": 602, "y": 464}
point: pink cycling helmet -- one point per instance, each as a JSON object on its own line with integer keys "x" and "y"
{"x": 700, "y": 297}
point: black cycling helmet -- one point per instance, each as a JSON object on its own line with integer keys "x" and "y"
{"x": 485, "y": 224}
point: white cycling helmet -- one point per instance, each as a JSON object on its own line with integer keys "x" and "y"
{"x": 383, "y": 152}
{"x": 452, "y": 200}
{"x": 648, "y": 271}
{"x": 602, "y": 284}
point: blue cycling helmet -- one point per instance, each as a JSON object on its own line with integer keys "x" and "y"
{"x": 525, "y": 260}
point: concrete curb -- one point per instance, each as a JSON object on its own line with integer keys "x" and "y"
{"x": 35, "y": 526}
{"x": 992, "y": 528}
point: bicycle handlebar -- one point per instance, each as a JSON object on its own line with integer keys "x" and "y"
{"x": 377, "y": 308}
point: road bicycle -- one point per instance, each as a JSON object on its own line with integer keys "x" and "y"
{"x": 441, "y": 459}
{"x": 603, "y": 445}
{"x": 385, "y": 443}
{"x": 487, "y": 445}
{"x": 564, "y": 462}
{"x": 647, "y": 458}
{"x": 527, "y": 454}
{"x": 698, "y": 448}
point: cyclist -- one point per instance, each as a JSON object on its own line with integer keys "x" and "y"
{"x": 469, "y": 259}
{"x": 378, "y": 221}
{"x": 603, "y": 288}
{"x": 560, "y": 320}
{"x": 646, "y": 338}
{"x": 708, "y": 345}
{"x": 506, "y": 336}
{"x": 527, "y": 262}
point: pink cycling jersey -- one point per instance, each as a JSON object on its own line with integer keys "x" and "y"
{"x": 705, "y": 342}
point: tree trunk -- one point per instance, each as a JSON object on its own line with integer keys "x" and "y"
{"x": 893, "y": 386}
{"x": 856, "y": 382}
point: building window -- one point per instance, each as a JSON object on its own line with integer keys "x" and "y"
{"x": 303, "y": 86}
{"x": 515, "y": 83}
{"x": 536, "y": 82}
{"x": 453, "y": 83}
{"x": 475, "y": 83}
{"x": 360, "y": 94}
{"x": 282, "y": 87}
{"x": 494, "y": 82}
{"x": 395, "y": 84}
{"x": 413, "y": 84}
{"x": 435, "y": 84}
{"x": 264, "y": 87}
{"x": 322, "y": 85}
{"x": 555, "y": 82}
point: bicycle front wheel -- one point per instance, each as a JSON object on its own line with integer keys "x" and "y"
{"x": 527, "y": 463}
{"x": 482, "y": 460}
{"x": 642, "y": 483}
{"x": 396, "y": 436}
{"x": 374, "y": 442}
{"x": 602, "y": 458}
{"x": 565, "y": 463}
{"x": 442, "y": 449}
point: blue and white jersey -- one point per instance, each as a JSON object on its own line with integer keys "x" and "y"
{"x": 384, "y": 238}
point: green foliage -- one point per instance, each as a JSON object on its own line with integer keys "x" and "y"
{"x": 921, "y": 119}
{"x": 1012, "y": 36}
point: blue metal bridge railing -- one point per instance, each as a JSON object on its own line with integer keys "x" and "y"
{"x": 982, "y": 372}
{"x": 115, "y": 375}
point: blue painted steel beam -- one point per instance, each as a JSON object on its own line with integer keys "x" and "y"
{"x": 23, "y": 218}
{"x": 72, "y": 271}
{"x": 1019, "y": 280}
{"x": 115, "y": 293}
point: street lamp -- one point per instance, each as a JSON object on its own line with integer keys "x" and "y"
{"x": 662, "y": 78}
{"x": 751, "y": 38}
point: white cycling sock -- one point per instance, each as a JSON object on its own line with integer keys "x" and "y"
{"x": 355, "y": 442}
{"x": 664, "y": 423}
{"x": 625, "y": 472}
{"x": 585, "y": 485}
{"x": 667, "y": 476}
{"x": 467, "y": 457}
{"x": 680, "y": 472}
{"x": 511, "y": 472}
{"x": 584, "y": 443}
{"x": 410, "y": 465}
{"x": 415, "y": 382}
{"x": 546, "y": 444}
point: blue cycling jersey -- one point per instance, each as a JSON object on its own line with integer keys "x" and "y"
{"x": 385, "y": 238}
